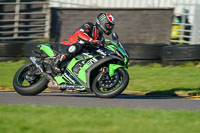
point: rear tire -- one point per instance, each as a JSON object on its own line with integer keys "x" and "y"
{"x": 114, "y": 92}
{"x": 31, "y": 90}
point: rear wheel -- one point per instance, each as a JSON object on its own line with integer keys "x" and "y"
{"x": 108, "y": 87}
{"x": 29, "y": 81}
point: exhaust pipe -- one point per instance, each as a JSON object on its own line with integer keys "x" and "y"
{"x": 36, "y": 63}
{"x": 54, "y": 86}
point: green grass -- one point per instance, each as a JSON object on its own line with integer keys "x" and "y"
{"x": 56, "y": 119}
{"x": 7, "y": 72}
{"x": 158, "y": 79}
{"x": 152, "y": 78}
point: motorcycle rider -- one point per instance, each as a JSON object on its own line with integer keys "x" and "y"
{"x": 88, "y": 32}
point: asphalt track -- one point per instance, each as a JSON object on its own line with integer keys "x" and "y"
{"x": 90, "y": 100}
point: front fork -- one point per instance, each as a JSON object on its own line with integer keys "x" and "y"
{"x": 110, "y": 69}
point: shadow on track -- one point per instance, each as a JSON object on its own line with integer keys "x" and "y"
{"x": 122, "y": 96}
{"x": 165, "y": 94}
{"x": 172, "y": 92}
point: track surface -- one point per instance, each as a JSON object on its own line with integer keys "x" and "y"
{"x": 89, "y": 100}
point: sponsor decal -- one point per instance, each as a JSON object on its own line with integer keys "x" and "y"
{"x": 101, "y": 52}
{"x": 68, "y": 77}
{"x": 92, "y": 61}
{"x": 87, "y": 55}
{"x": 71, "y": 77}
{"x": 103, "y": 16}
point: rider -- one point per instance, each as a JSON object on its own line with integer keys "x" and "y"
{"x": 88, "y": 32}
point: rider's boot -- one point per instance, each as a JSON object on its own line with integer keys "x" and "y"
{"x": 59, "y": 58}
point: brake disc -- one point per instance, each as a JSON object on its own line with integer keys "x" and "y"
{"x": 108, "y": 82}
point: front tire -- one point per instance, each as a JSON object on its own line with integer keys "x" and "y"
{"x": 37, "y": 86}
{"x": 114, "y": 91}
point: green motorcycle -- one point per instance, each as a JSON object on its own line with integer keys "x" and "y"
{"x": 102, "y": 70}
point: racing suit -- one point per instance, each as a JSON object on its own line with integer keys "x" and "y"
{"x": 88, "y": 33}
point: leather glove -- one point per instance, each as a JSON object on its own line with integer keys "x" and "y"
{"x": 97, "y": 42}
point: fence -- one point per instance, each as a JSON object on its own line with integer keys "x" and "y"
{"x": 24, "y": 20}
{"x": 189, "y": 22}
{"x": 119, "y": 3}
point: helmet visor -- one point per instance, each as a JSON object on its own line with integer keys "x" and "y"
{"x": 109, "y": 26}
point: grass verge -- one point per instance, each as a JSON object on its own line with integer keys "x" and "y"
{"x": 156, "y": 79}
{"x": 56, "y": 119}
{"x": 153, "y": 79}
{"x": 7, "y": 72}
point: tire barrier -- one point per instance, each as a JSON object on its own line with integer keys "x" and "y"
{"x": 143, "y": 62}
{"x": 181, "y": 53}
{"x": 13, "y": 51}
{"x": 140, "y": 54}
{"x": 177, "y": 55}
{"x": 29, "y": 47}
{"x": 144, "y": 54}
{"x": 144, "y": 51}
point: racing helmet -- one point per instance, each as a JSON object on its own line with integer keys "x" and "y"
{"x": 105, "y": 22}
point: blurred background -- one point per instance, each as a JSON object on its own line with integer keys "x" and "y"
{"x": 153, "y": 31}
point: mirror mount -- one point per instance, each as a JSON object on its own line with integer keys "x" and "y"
{"x": 115, "y": 37}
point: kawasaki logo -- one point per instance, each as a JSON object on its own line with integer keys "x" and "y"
{"x": 101, "y": 52}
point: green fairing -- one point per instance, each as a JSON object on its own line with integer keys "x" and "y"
{"x": 107, "y": 40}
{"x": 124, "y": 54}
{"x": 59, "y": 79}
{"x": 114, "y": 44}
{"x": 114, "y": 47}
{"x": 82, "y": 73}
{"x": 47, "y": 50}
{"x": 125, "y": 60}
{"x": 112, "y": 68}
{"x": 72, "y": 63}
{"x": 111, "y": 47}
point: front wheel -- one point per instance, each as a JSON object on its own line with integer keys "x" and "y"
{"x": 29, "y": 81}
{"x": 105, "y": 86}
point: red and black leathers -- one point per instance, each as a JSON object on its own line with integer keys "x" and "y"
{"x": 88, "y": 32}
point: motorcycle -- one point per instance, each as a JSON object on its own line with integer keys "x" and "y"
{"x": 101, "y": 70}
